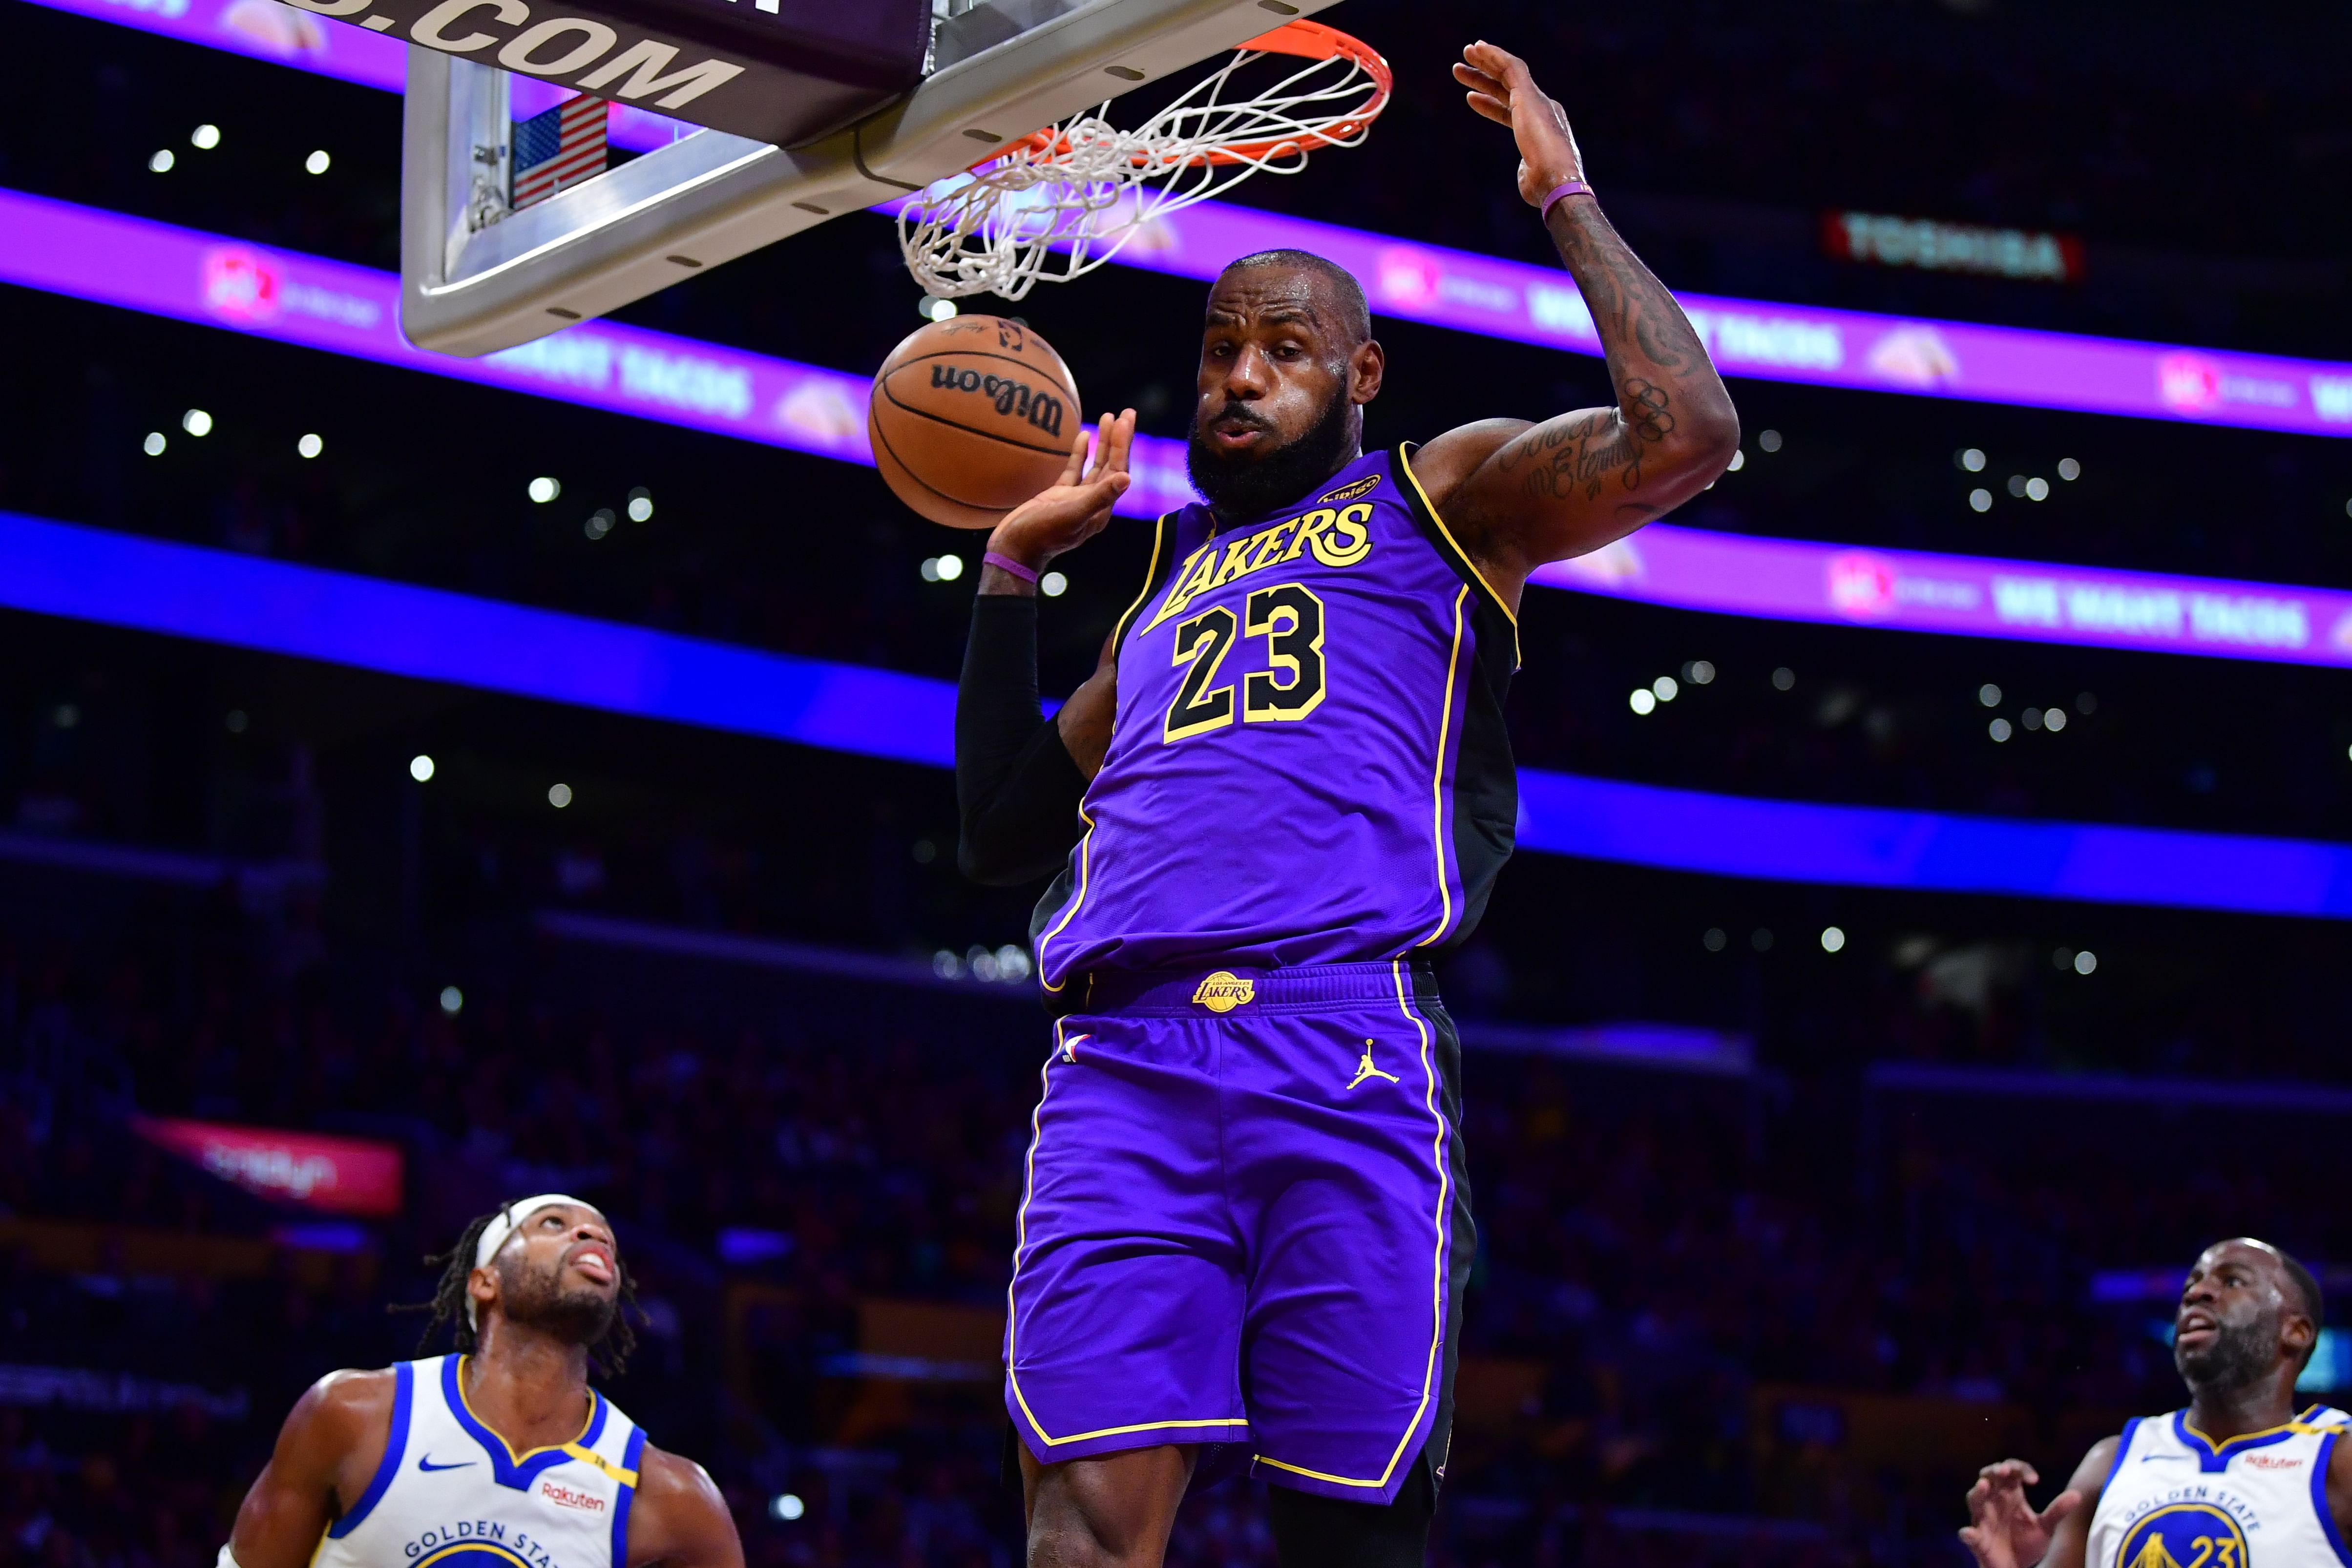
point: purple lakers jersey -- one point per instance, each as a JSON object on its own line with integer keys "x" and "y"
{"x": 1307, "y": 763}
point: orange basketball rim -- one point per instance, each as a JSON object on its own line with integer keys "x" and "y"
{"x": 1301, "y": 41}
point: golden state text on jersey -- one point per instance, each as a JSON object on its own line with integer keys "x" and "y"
{"x": 2176, "y": 1499}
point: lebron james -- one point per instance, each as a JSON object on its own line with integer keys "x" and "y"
{"x": 1244, "y": 1231}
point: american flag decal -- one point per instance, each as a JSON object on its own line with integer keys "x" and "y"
{"x": 559, "y": 148}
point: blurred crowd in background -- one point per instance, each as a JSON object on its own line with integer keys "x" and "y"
{"x": 1682, "y": 1276}
{"x": 1924, "y": 1201}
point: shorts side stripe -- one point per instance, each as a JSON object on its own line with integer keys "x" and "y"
{"x": 1437, "y": 1291}
{"x": 1021, "y": 1250}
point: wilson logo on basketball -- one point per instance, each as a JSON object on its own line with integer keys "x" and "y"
{"x": 562, "y": 1496}
{"x": 1042, "y": 410}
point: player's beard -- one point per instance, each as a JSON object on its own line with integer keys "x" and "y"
{"x": 1242, "y": 486}
{"x": 576, "y": 1316}
{"x": 2240, "y": 1355}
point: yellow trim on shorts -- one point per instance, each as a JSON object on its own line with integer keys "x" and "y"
{"x": 1012, "y": 1308}
{"x": 1437, "y": 1295}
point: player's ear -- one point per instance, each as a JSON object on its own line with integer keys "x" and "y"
{"x": 1366, "y": 366}
{"x": 2296, "y": 1333}
{"x": 482, "y": 1287}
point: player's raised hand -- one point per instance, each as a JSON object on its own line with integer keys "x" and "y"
{"x": 1074, "y": 508}
{"x": 2003, "y": 1530}
{"x": 1502, "y": 89}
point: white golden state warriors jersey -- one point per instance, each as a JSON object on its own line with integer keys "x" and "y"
{"x": 2175, "y": 1499}
{"x": 451, "y": 1494}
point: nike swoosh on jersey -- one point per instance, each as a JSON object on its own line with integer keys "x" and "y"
{"x": 424, "y": 1462}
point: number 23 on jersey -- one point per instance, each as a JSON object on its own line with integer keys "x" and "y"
{"x": 1289, "y": 616}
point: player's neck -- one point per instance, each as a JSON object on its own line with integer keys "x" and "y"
{"x": 528, "y": 1387}
{"x": 2223, "y": 1414}
{"x": 1226, "y": 517}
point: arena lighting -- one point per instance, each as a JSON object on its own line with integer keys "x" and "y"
{"x": 291, "y": 297}
{"x": 116, "y": 578}
{"x": 1513, "y": 300}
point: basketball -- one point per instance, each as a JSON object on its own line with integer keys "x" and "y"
{"x": 971, "y": 417}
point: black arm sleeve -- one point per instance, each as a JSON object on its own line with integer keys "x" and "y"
{"x": 1017, "y": 787}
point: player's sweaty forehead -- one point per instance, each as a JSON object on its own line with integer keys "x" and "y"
{"x": 2235, "y": 1261}
{"x": 1262, "y": 297}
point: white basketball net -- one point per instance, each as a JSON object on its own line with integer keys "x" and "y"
{"x": 1075, "y": 194}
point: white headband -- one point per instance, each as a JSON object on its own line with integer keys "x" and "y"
{"x": 502, "y": 1225}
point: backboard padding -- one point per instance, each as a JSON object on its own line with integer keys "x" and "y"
{"x": 470, "y": 287}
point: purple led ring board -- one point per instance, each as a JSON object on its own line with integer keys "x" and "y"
{"x": 144, "y": 584}
{"x": 1510, "y": 300}
{"x": 296, "y": 299}
{"x": 286, "y": 296}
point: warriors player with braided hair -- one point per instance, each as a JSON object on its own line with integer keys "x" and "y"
{"x": 499, "y": 1455}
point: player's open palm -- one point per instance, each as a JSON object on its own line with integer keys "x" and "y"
{"x": 1076, "y": 506}
{"x": 1502, "y": 89}
{"x": 2003, "y": 1530}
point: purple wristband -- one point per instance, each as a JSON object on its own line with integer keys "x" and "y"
{"x": 1561, "y": 193}
{"x": 1006, "y": 563}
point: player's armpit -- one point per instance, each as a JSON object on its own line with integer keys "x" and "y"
{"x": 678, "y": 1518}
{"x": 332, "y": 1442}
{"x": 1084, "y": 720}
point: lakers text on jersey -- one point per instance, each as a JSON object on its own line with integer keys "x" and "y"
{"x": 1307, "y": 763}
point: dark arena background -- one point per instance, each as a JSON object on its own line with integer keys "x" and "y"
{"x": 1930, "y": 929}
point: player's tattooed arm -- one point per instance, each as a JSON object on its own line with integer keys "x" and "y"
{"x": 1518, "y": 495}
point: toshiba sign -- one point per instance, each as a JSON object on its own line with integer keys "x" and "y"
{"x": 1932, "y": 246}
{"x": 335, "y": 1176}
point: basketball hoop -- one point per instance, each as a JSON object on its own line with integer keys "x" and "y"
{"x": 1070, "y": 197}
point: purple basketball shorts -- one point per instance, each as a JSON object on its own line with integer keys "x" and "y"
{"x": 1244, "y": 1224}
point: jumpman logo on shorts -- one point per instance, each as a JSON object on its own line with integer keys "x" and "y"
{"x": 1365, "y": 1069}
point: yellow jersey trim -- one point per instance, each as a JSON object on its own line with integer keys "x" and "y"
{"x": 1405, "y": 461}
{"x": 1085, "y": 844}
{"x": 476, "y": 1543}
{"x": 597, "y": 1462}
{"x": 2299, "y": 1423}
{"x": 1437, "y": 1283}
{"x": 1437, "y": 778}
{"x": 572, "y": 1450}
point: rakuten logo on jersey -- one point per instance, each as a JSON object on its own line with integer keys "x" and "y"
{"x": 2272, "y": 1462}
{"x": 562, "y": 1496}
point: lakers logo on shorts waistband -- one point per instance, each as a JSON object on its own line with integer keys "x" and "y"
{"x": 1365, "y": 1069}
{"x": 1224, "y": 991}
